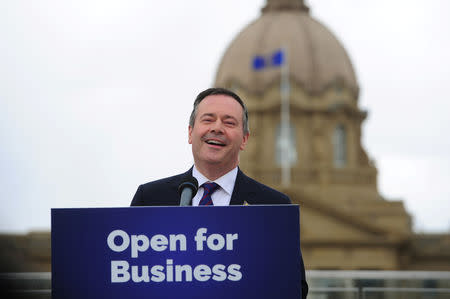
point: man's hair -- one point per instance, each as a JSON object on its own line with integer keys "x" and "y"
{"x": 220, "y": 91}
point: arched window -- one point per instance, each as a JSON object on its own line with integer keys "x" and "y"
{"x": 285, "y": 146}
{"x": 340, "y": 146}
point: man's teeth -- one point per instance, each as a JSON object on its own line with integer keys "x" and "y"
{"x": 214, "y": 142}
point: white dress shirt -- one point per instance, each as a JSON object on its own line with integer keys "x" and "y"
{"x": 222, "y": 196}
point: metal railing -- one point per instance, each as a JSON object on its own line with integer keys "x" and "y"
{"x": 323, "y": 284}
{"x": 378, "y": 284}
{"x": 404, "y": 293}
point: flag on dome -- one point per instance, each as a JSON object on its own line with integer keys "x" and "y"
{"x": 275, "y": 59}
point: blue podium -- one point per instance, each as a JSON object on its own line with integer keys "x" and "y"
{"x": 176, "y": 252}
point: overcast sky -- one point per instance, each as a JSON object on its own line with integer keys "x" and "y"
{"x": 95, "y": 96}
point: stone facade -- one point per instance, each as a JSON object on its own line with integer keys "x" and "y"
{"x": 25, "y": 253}
{"x": 345, "y": 223}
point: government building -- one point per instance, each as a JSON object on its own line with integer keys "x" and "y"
{"x": 318, "y": 159}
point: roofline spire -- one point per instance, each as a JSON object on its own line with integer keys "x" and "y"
{"x": 285, "y": 5}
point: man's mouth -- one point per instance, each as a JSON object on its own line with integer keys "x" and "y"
{"x": 215, "y": 142}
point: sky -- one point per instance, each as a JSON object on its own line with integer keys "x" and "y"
{"x": 95, "y": 97}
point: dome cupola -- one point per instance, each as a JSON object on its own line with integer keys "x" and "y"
{"x": 315, "y": 56}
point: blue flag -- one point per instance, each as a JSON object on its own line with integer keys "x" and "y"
{"x": 276, "y": 59}
{"x": 259, "y": 63}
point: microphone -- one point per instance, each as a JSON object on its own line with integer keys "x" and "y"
{"x": 187, "y": 189}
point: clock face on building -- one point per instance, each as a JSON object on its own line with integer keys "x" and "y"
{"x": 285, "y": 146}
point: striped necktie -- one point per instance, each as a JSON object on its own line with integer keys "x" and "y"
{"x": 208, "y": 190}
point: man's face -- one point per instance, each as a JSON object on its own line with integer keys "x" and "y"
{"x": 217, "y": 135}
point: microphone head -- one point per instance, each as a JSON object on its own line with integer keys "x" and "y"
{"x": 188, "y": 182}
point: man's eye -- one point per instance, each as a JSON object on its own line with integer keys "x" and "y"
{"x": 230, "y": 123}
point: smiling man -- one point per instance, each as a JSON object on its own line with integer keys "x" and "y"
{"x": 218, "y": 131}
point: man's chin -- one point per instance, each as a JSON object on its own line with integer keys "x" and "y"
{"x": 215, "y": 161}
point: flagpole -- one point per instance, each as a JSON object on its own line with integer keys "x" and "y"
{"x": 285, "y": 121}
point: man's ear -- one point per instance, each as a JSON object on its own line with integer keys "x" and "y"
{"x": 244, "y": 141}
{"x": 189, "y": 134}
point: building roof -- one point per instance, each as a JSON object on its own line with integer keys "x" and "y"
{"x": 315, "y": 57}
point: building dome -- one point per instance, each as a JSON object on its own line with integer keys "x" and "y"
{"x": 316, "y": 58}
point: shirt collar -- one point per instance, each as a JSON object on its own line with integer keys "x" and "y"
{"x": 226, "y": 182}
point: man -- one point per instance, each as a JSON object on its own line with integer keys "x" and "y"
{"x": 218, "y": 131}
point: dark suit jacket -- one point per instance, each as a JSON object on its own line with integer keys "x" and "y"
{"x": 164, "y": 192}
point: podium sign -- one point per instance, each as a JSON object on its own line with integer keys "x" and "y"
{"x": 176, "y": 252}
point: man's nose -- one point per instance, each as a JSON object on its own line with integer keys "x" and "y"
{"x": 217, "y": 126}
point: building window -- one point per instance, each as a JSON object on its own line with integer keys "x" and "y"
{"x": 340, "y": 146}
{"x": 286, "y": 146}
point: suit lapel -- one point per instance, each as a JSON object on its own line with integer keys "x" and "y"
{"x": 244, "y": 191}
